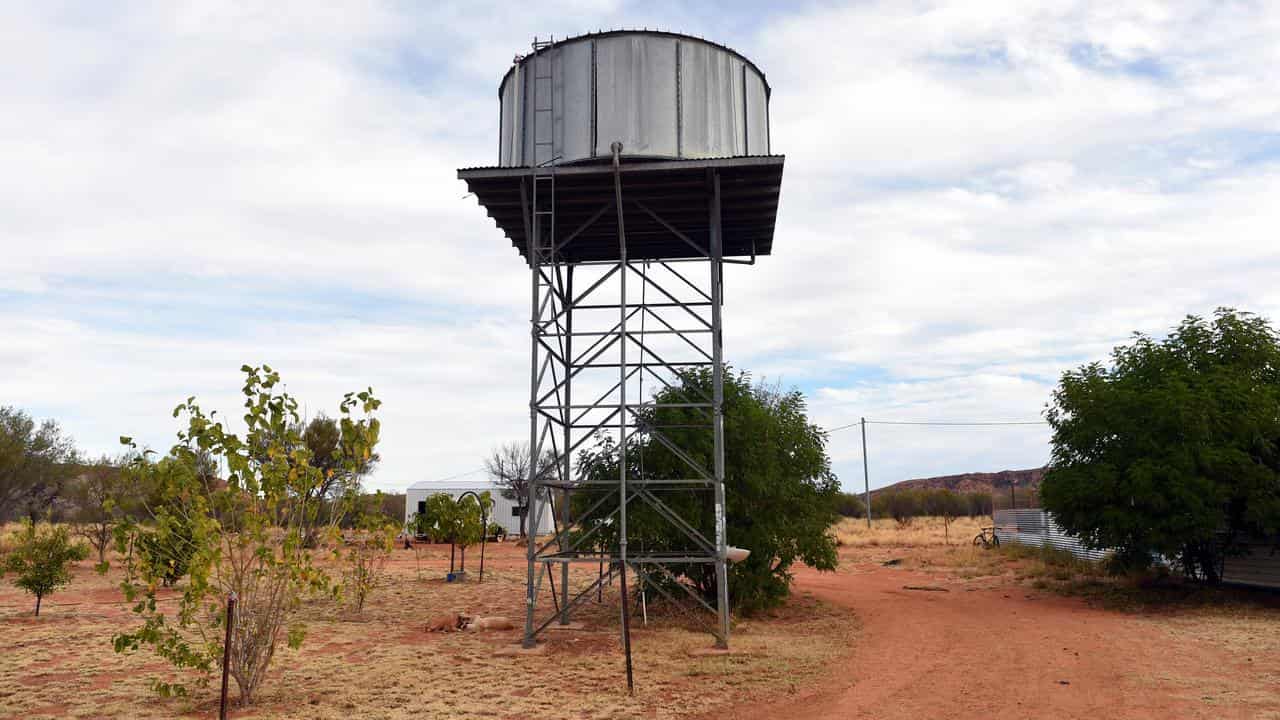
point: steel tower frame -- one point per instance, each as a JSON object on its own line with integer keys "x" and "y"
{"x": 558, "y": 422}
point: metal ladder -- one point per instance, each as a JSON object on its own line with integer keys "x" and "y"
{"x": 544, "y": 173}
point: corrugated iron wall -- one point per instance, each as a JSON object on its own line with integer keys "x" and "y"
{"x": 1036, "y": 528}
{"x": 1260, "y": 567}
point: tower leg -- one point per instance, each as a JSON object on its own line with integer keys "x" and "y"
{"x": 717, "y": 381}
{"x": 568, "y": 436}
{"x": 531, "y": 500}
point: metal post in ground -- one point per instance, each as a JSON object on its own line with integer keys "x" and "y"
{"x": 484, "y": 532}
{"x": 866, "y": 477}
{"x": 568, "y": 438}
{"x": 226, "y": 654}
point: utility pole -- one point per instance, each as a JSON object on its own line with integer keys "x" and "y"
{"x": 866, "y": 478}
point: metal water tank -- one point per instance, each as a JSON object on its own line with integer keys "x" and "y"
{"x": 662, "y": 95}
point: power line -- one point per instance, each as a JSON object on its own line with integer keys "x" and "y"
{"x": 941, "y": 423}
{"x": 455, "y": 477}
{"x": 977, "y": 423}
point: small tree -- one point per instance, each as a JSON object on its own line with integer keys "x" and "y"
{"x": 102, "y": 496}
{"x": 417, "y": 525}
{"x": 508, "y": 466}
{"x": 946, "y": 505}
{"x": 902, "y": 506}
{"x": 363, "y": 551}
{"x": 41, "y": 557}
{"x": 247, "y": 533}
{"x": 457, "y": 521}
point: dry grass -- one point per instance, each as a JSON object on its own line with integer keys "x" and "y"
{"x": 382, "y": 663}
{"x": 922, "y": 532}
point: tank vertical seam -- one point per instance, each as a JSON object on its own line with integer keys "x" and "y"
{"x": 746, "y": 134}
{"x": 526, "y": 119}
{"x": 594, "y": 103}
{"x": 679, "y": 108}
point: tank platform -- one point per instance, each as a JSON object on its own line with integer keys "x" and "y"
{"x": 667, "y": 204}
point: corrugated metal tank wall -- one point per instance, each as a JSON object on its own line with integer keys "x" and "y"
{"x": 662, "y": 95}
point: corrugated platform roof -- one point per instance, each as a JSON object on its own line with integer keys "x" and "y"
{"x": 674, "y": 190}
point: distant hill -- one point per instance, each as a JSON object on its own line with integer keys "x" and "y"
{"x": 973, "y": 482}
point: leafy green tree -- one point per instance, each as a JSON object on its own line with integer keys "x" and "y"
{"x": 246, "y": 533}
{"x": 324, "y": 439}
{"x": 392, "y": 506}
{"x": 1175, "y": 448}
{"x": 457, "y": 521}
{"x": 41, "y": 557}
{"x": 979, "y": 504}
{"x": 850, "y": 505}
{"x": 904, "y": 506}
{"x": 35, "y": 462}
{"x": 780, "y": 493}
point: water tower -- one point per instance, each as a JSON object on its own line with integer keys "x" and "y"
{"x": 632, "y": 166}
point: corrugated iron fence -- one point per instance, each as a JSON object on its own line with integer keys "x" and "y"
{"x": 1035, "y": 527}
{"x": 1259, "y": 567}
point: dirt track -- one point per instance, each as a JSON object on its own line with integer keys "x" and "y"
{"x": 998, "y": 649}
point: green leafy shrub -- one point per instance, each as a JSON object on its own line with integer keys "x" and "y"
{"x": 780, "y": 493}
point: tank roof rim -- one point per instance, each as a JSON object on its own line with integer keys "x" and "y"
{"x": 768, "y": 90}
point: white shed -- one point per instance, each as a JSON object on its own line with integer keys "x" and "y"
{"x": 505, "y": 512}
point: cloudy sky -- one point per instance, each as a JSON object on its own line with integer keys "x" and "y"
{"x": 976, "y": 198}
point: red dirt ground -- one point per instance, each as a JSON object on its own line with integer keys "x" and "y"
{"x": 990, "y": 647}
{"x": 1004, "y": 650}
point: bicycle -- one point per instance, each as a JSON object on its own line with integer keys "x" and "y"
{"x": 987, "y": 538}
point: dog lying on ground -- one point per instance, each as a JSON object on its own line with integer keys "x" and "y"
{"x": 488, "y": 623}
{"x": 449, "y": 622}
